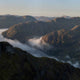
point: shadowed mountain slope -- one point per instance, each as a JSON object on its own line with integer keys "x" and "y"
{"x": 25, "y": 31}
{"x": 16, "y": 64}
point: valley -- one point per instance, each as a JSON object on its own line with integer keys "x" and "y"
{"x": 51, "y": 39}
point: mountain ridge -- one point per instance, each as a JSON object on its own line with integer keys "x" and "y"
{"x": 25, "y": 30}
{"x": 17, "y": 64}
{"x": 9, "y": 20}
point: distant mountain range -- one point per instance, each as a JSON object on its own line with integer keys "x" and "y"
{"x": 8, "y": 20}
{"x": 25, "y": 31}
{"x": 16, "y": 64}
{"x": 44, "y": 18}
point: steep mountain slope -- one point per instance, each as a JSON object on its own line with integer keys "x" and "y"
{"x": 65, "y": 43}
{"x": 54, "y": 38}
{"x": 16, "y": 64}
{"x": 25, "y": 31}
{"x": 8, "y": 20}
{"x": 63, "y": 36}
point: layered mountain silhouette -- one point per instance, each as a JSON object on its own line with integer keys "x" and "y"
{"x": 44, "y": 18}
{"x": 8, "y": 20}
{"x": 16, "y": 64}
{"x": 25, "y": 31}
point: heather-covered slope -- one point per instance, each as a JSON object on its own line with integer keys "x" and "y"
{"x": 7, "y": 21}
{"x": 16, "y": 64}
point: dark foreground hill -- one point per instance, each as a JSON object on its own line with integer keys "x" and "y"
{"x": 8, "y": 20}
{"x": 16, "y": 64}
{"x": 25, "y": 31}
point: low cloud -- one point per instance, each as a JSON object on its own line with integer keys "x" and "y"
{"x": 39, "y": 43}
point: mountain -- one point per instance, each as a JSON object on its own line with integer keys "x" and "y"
{"x": 67, "y": 17}
{"x": 65, "y": 43}
{"x": 25, "y": 31}
{"x": 55, "y": 38}
{"x": 43, "y": 18}
{"x": 63, "y": 37}
{"x": 16, "y": 64}
{"x": 8, "y": 20}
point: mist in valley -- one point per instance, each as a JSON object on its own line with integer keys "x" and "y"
{"x": 25, "y": 47}
{"x": 39, "y": 43}
{"x": 32, "y": 49}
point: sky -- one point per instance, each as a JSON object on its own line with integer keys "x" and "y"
{"x": 40, "y": 7}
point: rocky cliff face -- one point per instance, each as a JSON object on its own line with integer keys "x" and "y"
{"x": 16, "y": 64}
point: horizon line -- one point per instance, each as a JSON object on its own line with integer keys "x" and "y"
{"x": 38, "y": 15}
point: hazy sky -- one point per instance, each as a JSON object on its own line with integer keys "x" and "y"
{"x": 40, "y": 7}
